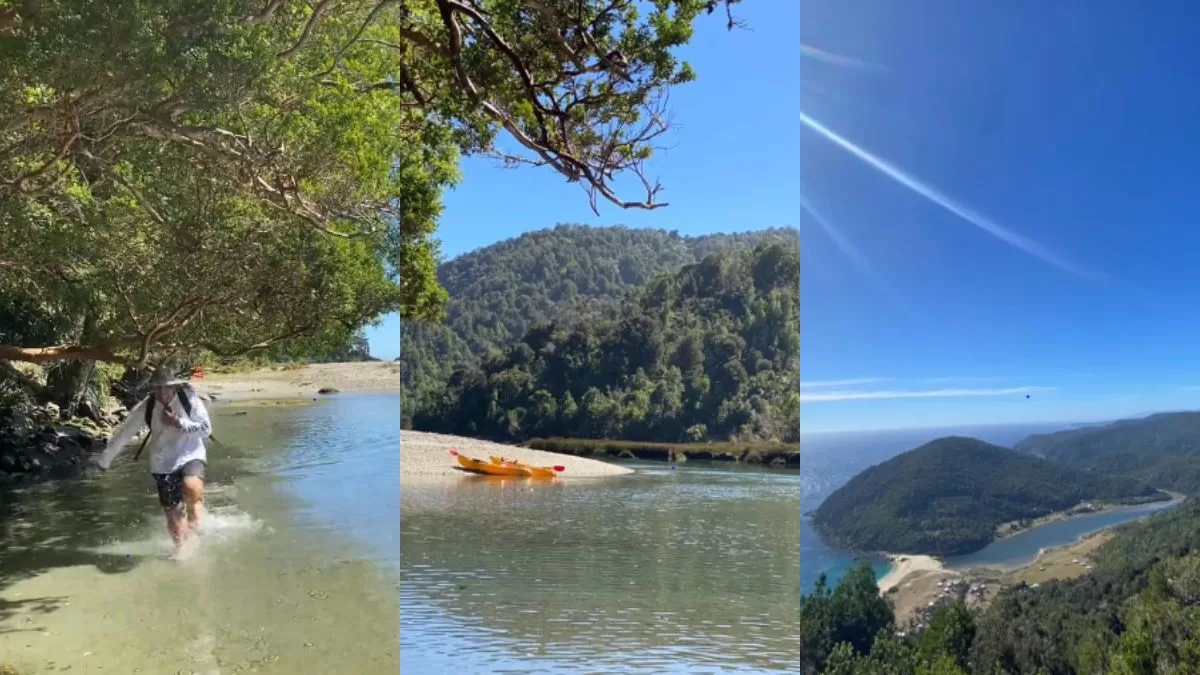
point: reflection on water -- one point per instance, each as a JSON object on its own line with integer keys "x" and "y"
{"x": 298, "y": 571}
{"x": 685, "y": 571}
{"x": 291, "y": 575}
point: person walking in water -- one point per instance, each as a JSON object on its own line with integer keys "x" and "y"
{"x": 178, "y": 423}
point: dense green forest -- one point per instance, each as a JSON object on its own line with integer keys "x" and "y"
{"x": 1163, "y": 450}
{"x": 948, "y": 496}
{"x": 708, "y": 352}
{"x": 1136, "y": 613}
{"x": 188, "y": 178}
{"x": 569, "y": 274}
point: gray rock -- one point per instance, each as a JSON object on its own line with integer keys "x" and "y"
{"x": 19, "y": 421}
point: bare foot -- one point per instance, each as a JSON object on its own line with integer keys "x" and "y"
{"x": 184, "y": 549}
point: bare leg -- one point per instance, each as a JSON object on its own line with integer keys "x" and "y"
{"x": 193, "y": 495}
{"x": 177, "y": 526}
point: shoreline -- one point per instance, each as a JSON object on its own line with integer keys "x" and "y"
{"x": 918, "y": 584}
{"x": 903, "y": 565}
{"x": 298, "y": 383}
{"x": 425, "y": 458}
{"x": 1012, "y": 528}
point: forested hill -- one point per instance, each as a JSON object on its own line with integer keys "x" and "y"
{"x": 708, "y": 352}
{"x": 948, "y": 496}
{"x": 568, "y": 274}
{"x": 1163, "y": 449}
{"x": 1135, "y": 612}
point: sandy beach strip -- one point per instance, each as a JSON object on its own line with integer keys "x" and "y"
{"x": 915, "y": 588}
{"x": 426, "y": 455}
{"x": 302, "y": 382}
{"x": 904, "y": 565}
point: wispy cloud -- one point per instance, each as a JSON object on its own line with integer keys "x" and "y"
{"x": 818, "y": 91}
{"x": 968, "y": 378}
{"x": 825, "y": 396}
{"x": 854, "y": 382}
{"x": 836, "y": 235}
{"x": 978, "y": 220}
{"x": 838, "y": 59}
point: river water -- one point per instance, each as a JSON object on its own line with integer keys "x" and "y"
{"x": 692, "y": 570}
{"x": 306, "y": 566}
{"x": 1023, "y": 547}
{"x": 295, "y": 573}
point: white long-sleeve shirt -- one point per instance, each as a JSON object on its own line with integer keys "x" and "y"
{"x": 169, "y": 447}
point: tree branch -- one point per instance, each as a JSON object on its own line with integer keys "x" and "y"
{"x": 568, "y": 144}
{"x": 258, "y": 346}
{"x": 267, "y": 12}
{"x": 379, "y": 7}
{"x": 60, "y": 353}
{"x": 19, "y": 183}
{"x": 309, "y": 29}
{"x": 133, "y": 191}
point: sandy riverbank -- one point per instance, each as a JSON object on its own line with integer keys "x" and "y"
{"x": 302, "y": 382}
{"x": 1061, "y": 562}
{"x": 913, "y": 584}
{"x": 1089, "y": 508}
{"x": 425, "y": 456}
{"x": 1016, "y": 527}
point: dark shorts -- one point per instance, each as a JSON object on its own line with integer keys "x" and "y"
{"x": 170, "y": 485}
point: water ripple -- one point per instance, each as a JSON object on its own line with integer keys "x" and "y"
{"x": 682, "y": 572}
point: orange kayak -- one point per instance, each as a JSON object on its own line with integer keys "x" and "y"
{"x": 534, "y": 471}
{"x": 490, "y": 469}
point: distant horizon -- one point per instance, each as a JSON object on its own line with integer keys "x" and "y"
{"x": 943, "y": 244}
{"x": 991, "y": 425}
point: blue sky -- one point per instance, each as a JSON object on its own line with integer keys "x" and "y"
{"x": 1004, "y": 206}
{"x": 733, "y": 163}
{"x": 995, "y": 201}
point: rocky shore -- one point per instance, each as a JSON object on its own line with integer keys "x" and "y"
{"x": 37, "y": 442}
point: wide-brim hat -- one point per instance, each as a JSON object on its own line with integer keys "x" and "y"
{"x": 163, "y": 377}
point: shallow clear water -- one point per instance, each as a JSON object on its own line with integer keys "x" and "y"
{"x": 294, "y": 573}
{"x": 687, "y": 571}
{"x": 306, "y": 566}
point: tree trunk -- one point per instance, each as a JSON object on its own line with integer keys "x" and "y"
{"x": 69, "y": 384}
{"x": 69, "y": 387}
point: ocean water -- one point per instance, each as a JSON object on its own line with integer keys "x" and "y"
{"x": 828, "y": 461}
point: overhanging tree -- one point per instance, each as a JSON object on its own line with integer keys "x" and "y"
{"x": 224, "y": 175}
